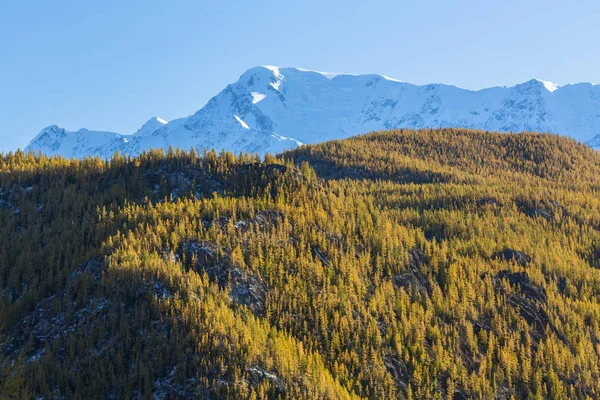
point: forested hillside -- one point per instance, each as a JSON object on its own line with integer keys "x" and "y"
{"x": 447, "y": 264}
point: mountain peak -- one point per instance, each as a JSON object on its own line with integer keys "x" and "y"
{"x": 550, "y": 86}
{"x": 277, "y": 75}
{"x": 50, "y": 128}
{"x": 156, "y": 121}
{"x": 51, "y": 131}
{"x": 262, "y": 77}
{"x": 151, "y": 126}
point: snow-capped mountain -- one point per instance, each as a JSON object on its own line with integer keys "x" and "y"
{"x": 270, "y": 109}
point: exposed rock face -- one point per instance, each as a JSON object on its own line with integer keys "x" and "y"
{"x": 398, "y": 369}
{"x": 95, "y": 267}
{"x": 538, "y": 212}
{"x": 528, "y": 289}
{"x": 521, "y": 258}
{"x": 261, "y": 219}
{"x": 535, "y": 315}
{"x": 320, "y": 255}
{"x": 459, "y": 395}
{"x": 528, "y": 301}
{"x": 47, "y": 324}
{"x": 415, "y": 277}
{"x": 246, "y": 288}
{"x": 488, "y": 201}
{"x": 257, "y": 374}
{"x": 167, "y": 387}
{"x": 546, "y": 209}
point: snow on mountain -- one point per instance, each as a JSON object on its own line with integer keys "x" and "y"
{"x": 270, "y": 109}
{"x": 550, "y": 86}
{"x": 152, "y": 125}
{"x": 54, "y": 140}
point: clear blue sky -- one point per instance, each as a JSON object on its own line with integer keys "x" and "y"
{"x": 111, "y": 65}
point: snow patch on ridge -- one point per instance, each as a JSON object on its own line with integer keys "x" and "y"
{"x": 162, "y": 121}
{"x": 328, "y": 75}
{"x": 550, "y": 86}
{"x": 274, "y": 69}
{"x": 242, "y": 123}
{"x": 331, "y": 75}
{"x": 282, "y": 138}
{"x": 387, "y": 78}
{"x": 278, "y": 77}
{"x": 256, "y": 97}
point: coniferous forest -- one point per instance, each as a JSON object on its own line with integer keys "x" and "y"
{"x": 442, "y": 264}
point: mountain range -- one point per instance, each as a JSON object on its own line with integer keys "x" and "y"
{"x": 270, "y": 109}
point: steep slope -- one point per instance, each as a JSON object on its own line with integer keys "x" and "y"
{"x": 270, "y": 109}
{"x": 446, "y": 264}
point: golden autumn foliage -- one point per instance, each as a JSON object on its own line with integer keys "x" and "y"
{"x": 442, "y": 264}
